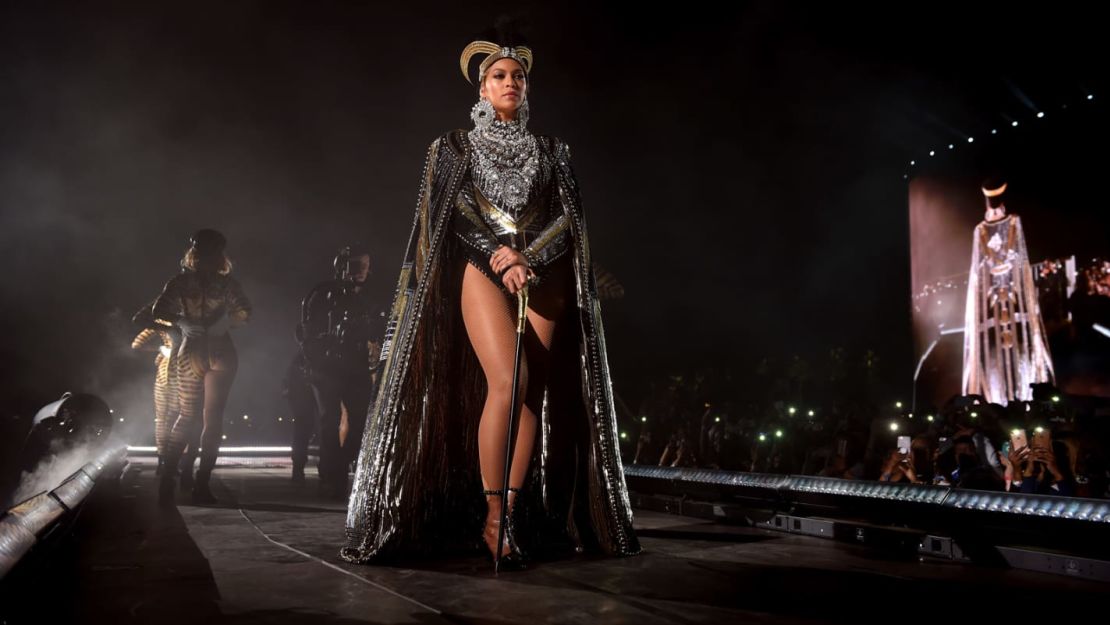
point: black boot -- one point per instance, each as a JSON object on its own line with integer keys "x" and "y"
{"x": 187, "y": 479}
{"x": 168, "y": 480}
{"x": 185, "y": 467}
{"x": 202, "y": 494}
{"x": 298, "y": 471}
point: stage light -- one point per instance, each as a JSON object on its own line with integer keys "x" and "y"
{"x": 1014, "y": 124}
{"x": 762, "y": 437}
{"x": 929, "y": 418}
{"x": 912, "y": 163}
{"x": 121, "y": 419}
{"x": 1015, "y": 432}
{"x": 1056, "y": 398}
{"x": 1090, "y": 97}
{"x": 932, "y": 152}
{"x": 994, "y": 131}
{"x": 624, "y": 434}
{"x": 975, "y": 415}
{"x": 894, "y": 427}
{"x": 778, "y": 433}
{"x": 897, "y": 404}
{"x": 1038, "y": 430}
{"x": 951, "y": 146}
{"x": 1040, "y": 115}
{"x": 281, "y": 419}
{"x": 971, "y": 139}
{"x": 791, "y": 410}
{"x": 245, "y": 417}
{"x": 1028, "y": 504}
{"x": 717, "y": 419}
{"x": 224, "y": 437}
{"x": 911, "y": 415}
{"x": 811, "y": 413}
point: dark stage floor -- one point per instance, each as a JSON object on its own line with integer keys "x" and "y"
{"x": 269, "y": 556}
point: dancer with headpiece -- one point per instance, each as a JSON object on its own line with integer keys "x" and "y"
{"x": 497, "y": 216}
{"x": 1005, "y": 348}
{"x": 204, "y": 303}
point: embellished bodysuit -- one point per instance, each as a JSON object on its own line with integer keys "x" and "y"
{"x": 509, "y": 198}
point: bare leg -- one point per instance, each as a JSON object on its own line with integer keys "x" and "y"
{"x": 489, "y": 319}
{"x": 490, "y": 323}
{"x": 217, "y": 386}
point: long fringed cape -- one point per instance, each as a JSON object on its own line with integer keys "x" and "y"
{"x": 417, "y": 484}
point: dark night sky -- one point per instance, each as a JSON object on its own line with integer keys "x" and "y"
{"x": 741, "y": 168}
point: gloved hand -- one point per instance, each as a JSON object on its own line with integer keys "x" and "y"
{"x": 190, "y": 329}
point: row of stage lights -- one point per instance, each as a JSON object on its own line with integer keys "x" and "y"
{"x": 222, "y": 436}
{"x": 994, "y": 131}
{"x": 894, "y": 425}
{"x": 762, "y": 436}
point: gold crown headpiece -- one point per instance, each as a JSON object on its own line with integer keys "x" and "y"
{"x": 494, "y": 52}
{"x": 994, "y": 192}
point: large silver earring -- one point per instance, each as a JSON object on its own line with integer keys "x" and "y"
{"x": 482, "y": 114}
{"x": 523, "y": 113}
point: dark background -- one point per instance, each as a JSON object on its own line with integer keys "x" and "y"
{"x": 742, "y": 167}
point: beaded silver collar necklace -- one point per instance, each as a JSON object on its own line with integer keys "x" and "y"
{"x": 506, "y": 162}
